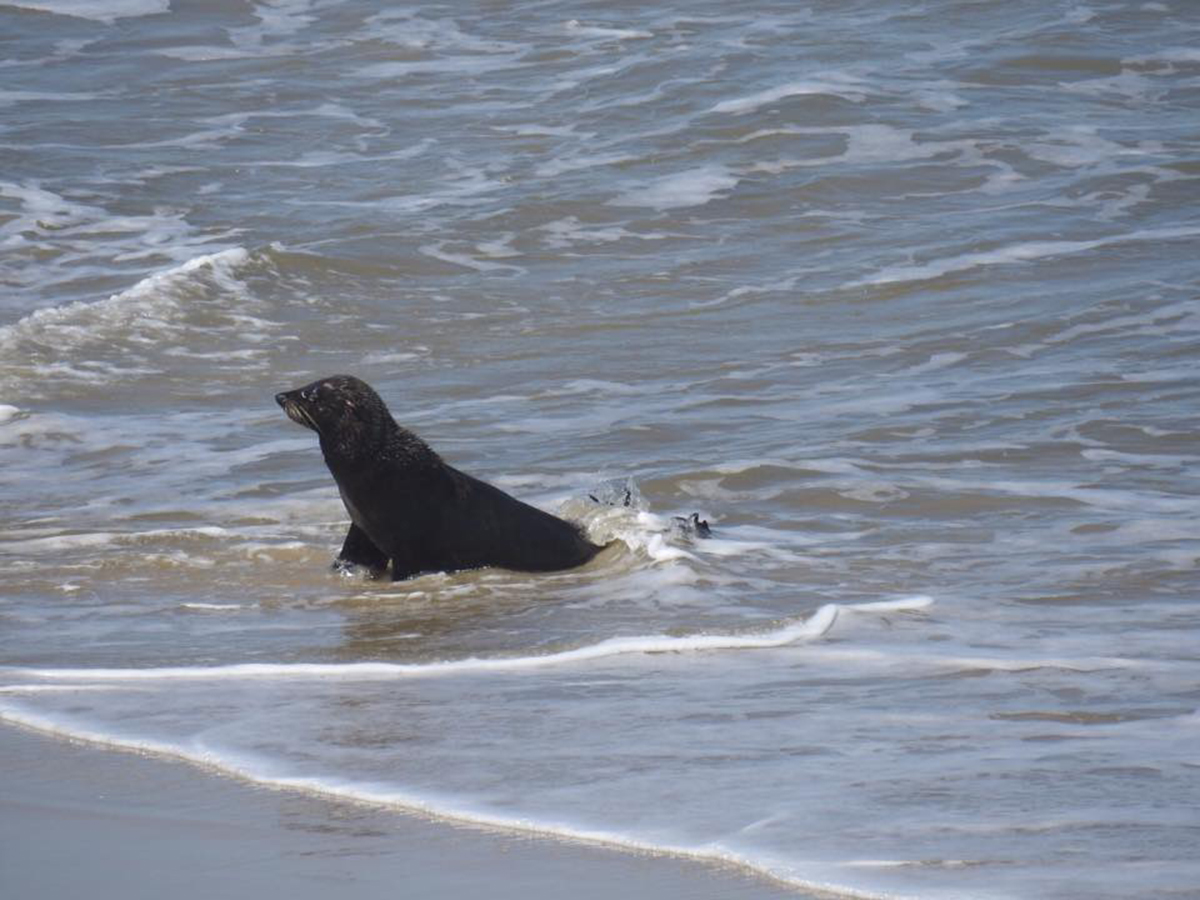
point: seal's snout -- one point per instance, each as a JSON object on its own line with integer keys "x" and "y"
{"x": 296, "y": 410}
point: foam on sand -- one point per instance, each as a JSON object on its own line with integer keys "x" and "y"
{"x": 256, "y": 771}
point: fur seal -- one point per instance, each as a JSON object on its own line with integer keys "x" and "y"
{"x": 692, "y": 525}
{"x": 409, "y": 507}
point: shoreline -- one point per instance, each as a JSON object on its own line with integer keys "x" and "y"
{"x": 77, "y": 815}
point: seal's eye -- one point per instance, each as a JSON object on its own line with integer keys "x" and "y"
{"x": 308, "y": 395}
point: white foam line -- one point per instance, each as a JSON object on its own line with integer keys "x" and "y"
{"x": 907, "y": 661}
{"x": 904, "y": 604}
{"x": 54, "y": 688}
{"x": 402, "y": 801}
{"x": 1029, "y": 251}
{"x": 806, "y": 629}
{"x": 842, "y": 86}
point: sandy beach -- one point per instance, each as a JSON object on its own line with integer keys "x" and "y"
{"x": 79, "y": 820}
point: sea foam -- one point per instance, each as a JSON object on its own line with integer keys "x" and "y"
{"x": 694, "y": 187}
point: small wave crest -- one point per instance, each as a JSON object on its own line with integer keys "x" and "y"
{"x": 150, "y": 297}
{"x": 833, "y": 85}
{"x": 127, "y": 334}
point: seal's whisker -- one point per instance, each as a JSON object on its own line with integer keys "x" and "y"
{"x": 300, "y": 415}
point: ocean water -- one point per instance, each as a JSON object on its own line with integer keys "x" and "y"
{"x": 902, "y": 297}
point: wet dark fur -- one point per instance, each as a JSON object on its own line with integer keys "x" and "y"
{"x": 409, "y": 507}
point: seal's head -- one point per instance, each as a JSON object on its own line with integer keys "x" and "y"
{"x": 350, "y": 418}
{"x": 338, "y": 408}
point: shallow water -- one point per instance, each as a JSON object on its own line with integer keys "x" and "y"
{"x": 901, "y": 298}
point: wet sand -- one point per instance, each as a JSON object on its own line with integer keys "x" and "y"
{"x": 79, "y": 820}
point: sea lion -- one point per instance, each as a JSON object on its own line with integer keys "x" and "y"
{"x": 409, "y": 507}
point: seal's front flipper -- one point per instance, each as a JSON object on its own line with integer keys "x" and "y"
{"x": 357, "y": 550}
